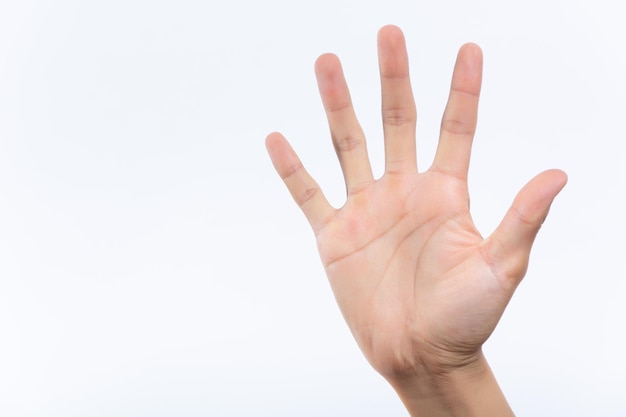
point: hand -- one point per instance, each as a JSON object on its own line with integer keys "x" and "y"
{"x": 419, "y": 287}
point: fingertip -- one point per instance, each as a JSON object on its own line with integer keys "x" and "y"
{"x": 548, "y": 183}
{"x": 532, "y": 203}
{"x": 468, "y": 70}
{"x": 471, "y": 56}
{"x": 391, "y": 38}
{"x": 392, "y": 53}
{"x": 559, "y": 176}
{"x": 272, "y": 140}
{"x": 390, "y": 32}
{"x": 326, "y": 62}
{"x": 273, "y": 135}
{"x": 330, "y": 80}
{"x": 471, "y": 49}
{"x": 509, "y": 246}
{"x": 280, "y": 151}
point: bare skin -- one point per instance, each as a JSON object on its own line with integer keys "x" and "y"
{"x": 419, "y": 287}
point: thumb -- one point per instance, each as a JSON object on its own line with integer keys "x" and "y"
{"x": 508, "y": 247}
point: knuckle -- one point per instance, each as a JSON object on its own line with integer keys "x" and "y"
{"x": 305, "y": 195}
{"x": 458, "y": 127}
{"x": 347, "y": 143}
{"x": 525, "y": 219}
{"x": 291, "y": 171}
{"x": 398, "y": 116}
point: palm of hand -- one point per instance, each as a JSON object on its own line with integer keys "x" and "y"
{"x": 417, "y": 284}
{"x": 406, "y": 265}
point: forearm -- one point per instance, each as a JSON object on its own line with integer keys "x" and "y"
{"x": 471, "y": 391}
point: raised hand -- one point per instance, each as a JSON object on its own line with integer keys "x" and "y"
{"x": 419, "y": 287}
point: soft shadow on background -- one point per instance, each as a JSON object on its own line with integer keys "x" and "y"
{"x": 152, "y": 263}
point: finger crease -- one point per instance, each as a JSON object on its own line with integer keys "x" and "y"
{"x": 458, "y": 127}
{"x": 347, "y": 143}
{"x": 305, "y": 196}
{"x": 291, "y": 171}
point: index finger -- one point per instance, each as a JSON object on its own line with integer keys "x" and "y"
{"x": 460, "y": 117}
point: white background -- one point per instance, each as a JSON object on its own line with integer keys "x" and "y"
{"x": 152, "y": 263}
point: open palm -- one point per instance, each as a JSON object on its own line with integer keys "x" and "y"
{"x": 417, "y": 284}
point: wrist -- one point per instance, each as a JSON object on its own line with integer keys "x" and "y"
{"x": 467, "y": 391}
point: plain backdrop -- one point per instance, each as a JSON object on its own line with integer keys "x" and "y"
{"x": 153, "y": 264}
